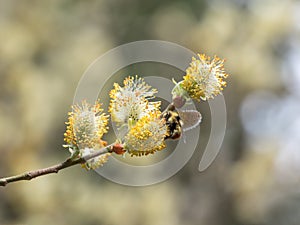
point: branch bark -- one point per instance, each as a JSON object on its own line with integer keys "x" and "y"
{"x": 52, "y": 169}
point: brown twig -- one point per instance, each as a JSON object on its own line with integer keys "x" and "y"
{"x": 52, "y": 169}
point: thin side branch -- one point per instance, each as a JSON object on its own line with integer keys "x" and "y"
{"x": 52, "y": 169}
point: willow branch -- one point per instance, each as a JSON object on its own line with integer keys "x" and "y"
{"x": 52, "y": 169}
{"x": 56, "y": 168}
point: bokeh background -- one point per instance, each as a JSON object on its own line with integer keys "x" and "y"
{"x": 45, "y": 47}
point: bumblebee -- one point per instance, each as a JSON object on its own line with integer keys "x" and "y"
{"x": 180, "y": 121}
{"x": 173, "y": 122}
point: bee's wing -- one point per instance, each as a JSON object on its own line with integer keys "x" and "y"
{"x": 190, "y": 118}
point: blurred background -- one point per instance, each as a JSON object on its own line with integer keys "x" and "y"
{"x": 45, "y": 47}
